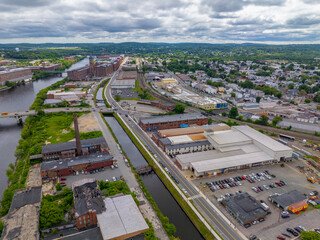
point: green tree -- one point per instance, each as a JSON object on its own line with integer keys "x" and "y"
{"x": 317, "y": 97}
{"x": 275, "y": 120}
{"x": 233, "y": 113}
{"x": 117, "y": 98}
{"x": 307, "y": 100}
{"x": 258, "y": 99}
{"x": 309, "y": 235}
{"x": 291, "y": 86}
{"x": 224, "y": 114}
{"x": 58, "y": 187}
{"x": 233, "y": 95}
{"x": 50, "y": 214}
{"x": 179, "y": 108}
{"x": 1, "y": 227}
{"x": 210, "y": 120}
{"x": 264, "y": 120}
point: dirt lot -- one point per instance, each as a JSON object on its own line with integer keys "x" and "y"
{"x": 87, "y": 123}
{"x": 290, "y": 174}
{"x": 34, "y": 178}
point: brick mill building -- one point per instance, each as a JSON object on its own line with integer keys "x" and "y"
{"x": 15, "y": 75}
{"x": 172, "y": 121}
{"x": 88, "y": 202}
{"x": 95, "y": 69}
{"x": 67, "y": 158}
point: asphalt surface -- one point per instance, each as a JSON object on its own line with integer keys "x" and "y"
{"x": 216, "y": 221}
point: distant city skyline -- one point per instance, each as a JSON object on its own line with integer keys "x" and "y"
{"x": 216, "y": 21}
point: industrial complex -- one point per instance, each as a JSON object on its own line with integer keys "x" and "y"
{"x": 97, "y": 69}
{"x": 213, "y": 149}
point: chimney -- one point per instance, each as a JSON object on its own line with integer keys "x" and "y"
{"x": 76, "y": 129}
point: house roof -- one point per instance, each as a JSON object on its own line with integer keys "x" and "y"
{"x": 72, "y": 145}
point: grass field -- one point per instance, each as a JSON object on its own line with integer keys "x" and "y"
{"x": 58, "y": 128}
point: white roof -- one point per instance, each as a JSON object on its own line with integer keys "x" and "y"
{"x": 262, "y": 139}
{"x": 229, "y": 137}
{"x": 180, "y": 139}
{"x": 121, "y": 217}
{"x": 231, "y": 161}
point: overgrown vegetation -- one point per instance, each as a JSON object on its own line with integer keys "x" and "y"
{"x": 53, "y": 208}
{"x": 53, "y": 127}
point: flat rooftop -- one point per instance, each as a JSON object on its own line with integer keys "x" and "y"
{"x": 31, "y": 195}
{"x": 261, "y": 138}
{"x": 122, "y": 217}
{"x": 172, "y": 118}
{"x": 231, "y": 161}
{"x": 245, "y": 207}
{"x": 289, "y": 198}
{"x": 69, "y": 162}
{"x": 229, "y": 137}
{"x": 22, "y": 223}
{"x": 192, "y": 130}
{"x": 204, "y": 156}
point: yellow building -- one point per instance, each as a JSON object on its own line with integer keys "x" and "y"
{"x": 166, "y": 81}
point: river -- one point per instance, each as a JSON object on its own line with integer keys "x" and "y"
{"x": 185, "y": 229}
{"x": 18, "y": 99}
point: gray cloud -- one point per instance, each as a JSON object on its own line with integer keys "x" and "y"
{"x": 157, "y": 20}
{"x": 225, "y": 6}
{"x": 304, "y": 21}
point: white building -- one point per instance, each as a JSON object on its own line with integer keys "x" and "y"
{"x": 239, "y": 148}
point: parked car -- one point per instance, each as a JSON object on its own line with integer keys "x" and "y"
{"x": 286, "y": 234}
{"x": 294, "y": 233}
{"x": 285, "y": 214}
{"x": 63, "y": 179}
{"x": 247, "y": 225}
{"x": 114, "y": 179}
{"x": 298, "y": 229}
{"x": 281, "y": 237}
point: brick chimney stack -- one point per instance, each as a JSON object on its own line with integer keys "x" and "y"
{"x": 76, "y": 129}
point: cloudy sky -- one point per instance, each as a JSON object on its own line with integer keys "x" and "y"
{"x": 210, "y": 21}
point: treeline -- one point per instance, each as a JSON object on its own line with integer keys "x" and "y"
{"x": 40, "y": 74}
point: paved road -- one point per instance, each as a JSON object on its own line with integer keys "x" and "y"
{"x": 217, "y": 222}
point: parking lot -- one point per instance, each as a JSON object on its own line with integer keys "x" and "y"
{"x": 125, "y": 93}
{"x": 108, "y": 173}
{"x": 293, "y": 178}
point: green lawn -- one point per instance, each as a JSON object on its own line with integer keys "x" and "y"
{"x": 58, "y": 128}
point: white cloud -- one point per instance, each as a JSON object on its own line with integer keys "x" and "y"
{"x": 160, "y": 21}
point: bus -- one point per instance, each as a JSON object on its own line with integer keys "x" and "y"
{"x": 286, "y": 137}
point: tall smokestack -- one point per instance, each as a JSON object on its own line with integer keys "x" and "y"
{"x": 76, "y": 129}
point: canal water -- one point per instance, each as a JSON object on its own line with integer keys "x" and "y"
{"x": 18, "y": 99}
{"x": 185, "y": 229}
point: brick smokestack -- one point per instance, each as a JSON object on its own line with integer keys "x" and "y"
{"x": 76, "y": 129}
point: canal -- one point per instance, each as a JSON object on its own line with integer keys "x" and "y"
{"x": 18, "y": 99}
{"x": 185, "y": 229}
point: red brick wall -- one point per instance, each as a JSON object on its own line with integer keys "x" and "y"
{"x": 15, "y": 74}
{"x": 86, "y": 220}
